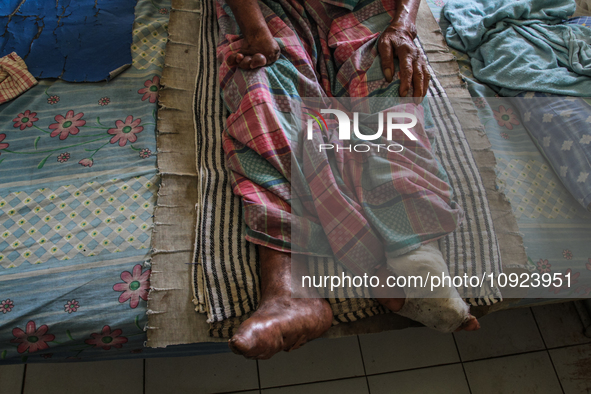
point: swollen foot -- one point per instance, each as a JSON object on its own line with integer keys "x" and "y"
{"x": 281, "y": 322}
{"x": 447, "y": 312}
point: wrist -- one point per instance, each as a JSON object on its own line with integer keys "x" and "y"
{"x": 257, "y": 32}
{"x": 406, "y": 28}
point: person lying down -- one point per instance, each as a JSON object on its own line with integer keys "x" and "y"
{"x": 273, "y": 50}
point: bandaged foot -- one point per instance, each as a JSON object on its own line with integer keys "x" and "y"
{"x": 441, "y": 309}
{"x": 280, "y": 321}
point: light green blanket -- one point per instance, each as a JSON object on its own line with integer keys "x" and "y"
{"x": 522, "y": 45}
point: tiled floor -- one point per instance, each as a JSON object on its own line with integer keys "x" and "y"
{"x": 538, "y": 350}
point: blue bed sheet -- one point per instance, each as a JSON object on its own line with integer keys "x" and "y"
{"x": 78, "y": 186}
{"x": 556, "y": 229}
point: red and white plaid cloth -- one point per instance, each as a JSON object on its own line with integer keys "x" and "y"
{"x": 15, "y": 78}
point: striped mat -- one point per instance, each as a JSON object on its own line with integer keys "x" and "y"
{"x": 225, "y": 274}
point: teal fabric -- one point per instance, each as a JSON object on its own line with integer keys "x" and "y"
{"x": 522, "y": 45}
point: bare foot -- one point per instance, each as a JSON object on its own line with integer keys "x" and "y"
{"x": 260, "y": 50}
{"x": 471, "y": 324}
{"x": 281, "y": 322}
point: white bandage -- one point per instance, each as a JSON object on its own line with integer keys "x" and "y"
{"x": 442, "y": 309}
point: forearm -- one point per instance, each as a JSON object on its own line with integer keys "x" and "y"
{"x": 249, "y": 17}
{"x": 405, "y": 15}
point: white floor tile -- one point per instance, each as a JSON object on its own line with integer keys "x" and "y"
{"x": 410, "y": 348}
{"x": 344, "y": 386}
{"x": 530, "y": 373}
{"x": 560, "y": 324}
{"x": 323, "y": 359}
{"x": 201, "y": 374}
{"x": 443, "y": 379}
{"x": 11, "y": 379}
{"x": 113, "y": 377}
{"x": 573, "y": 366}
{"x": 501, "y": 333}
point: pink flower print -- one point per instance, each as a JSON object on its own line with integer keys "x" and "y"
{"x": 71, "y": 306}
{"x": 126, "y": 131}
{"x": 6, "y": 306}
{"x": 25, "y": 120}
{"x": 46, "y": 355}
{"x": 63, "y": 157}
{"x": 104, "y": 101}
{"x": 86, "y": 162}
{"x": 2, "y": 146}
{"x": 544, "y": 266}
{"x": 584, "y": 291}
{"x": 32, "y": 339}
{"x": 107, "y": 339}
{"x": 135, "y": 287}
{"x": 567, "y": 254}
{"x": 574, "y": 278}
{"x": 151, "y": 89}
{"x": 505, "y": 136}
{"x": 480, "y": 102}
{"x": 68, "y": 125}
{"x": 53, "y": 100}
{"x": 439, "y": 3}
{"x": 505, "y": 117}
{"x": 163, "y": 11}
{"x": 566, "y": 283}
{"x": 145, "y": 153}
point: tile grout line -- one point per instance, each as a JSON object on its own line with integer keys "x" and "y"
{"x": 462, "y": 363}
{"x": 23, "y": 382}
{"x": 356, "y": 377}
{"x": 538, "y": 327}
{"x": 504, "y": 355}
{"x": 363, "y": 363}
{"x": 555, "y": 372}
{"x": 315, "y": 381}
{"x": 259, "y": 377}
{"x": 547, "y": 351}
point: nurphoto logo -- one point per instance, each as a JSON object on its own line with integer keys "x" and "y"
{"x": 345, "y": 130}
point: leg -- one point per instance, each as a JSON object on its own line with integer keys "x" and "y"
{"x": 447, "y": 313}
{"x": 281, "y": 322}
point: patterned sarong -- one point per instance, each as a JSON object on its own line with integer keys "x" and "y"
{"x": 15, "y": 78}
{"x": 390, "y": 203}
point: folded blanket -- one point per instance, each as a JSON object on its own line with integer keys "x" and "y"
{"x": 15, "y": 78}
{"x": 521, "y": 45}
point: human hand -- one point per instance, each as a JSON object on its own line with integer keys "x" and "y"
{"x": 397, "y": 40}
{"x": 260, "y": 50}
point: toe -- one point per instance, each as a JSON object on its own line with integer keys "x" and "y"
{"x": 471, "y": 324}
{"x": 238, "y": 345}
{"x": 245, "y": 63}
{"x": 258, "y": 60}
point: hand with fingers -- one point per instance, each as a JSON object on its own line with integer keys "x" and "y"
{"x": 258, "y": 51}
{"x": 398, "y": 40}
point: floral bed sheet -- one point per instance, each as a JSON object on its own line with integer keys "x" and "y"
{"x": 78, "y": 186}
{"x": 556, "y": 228}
